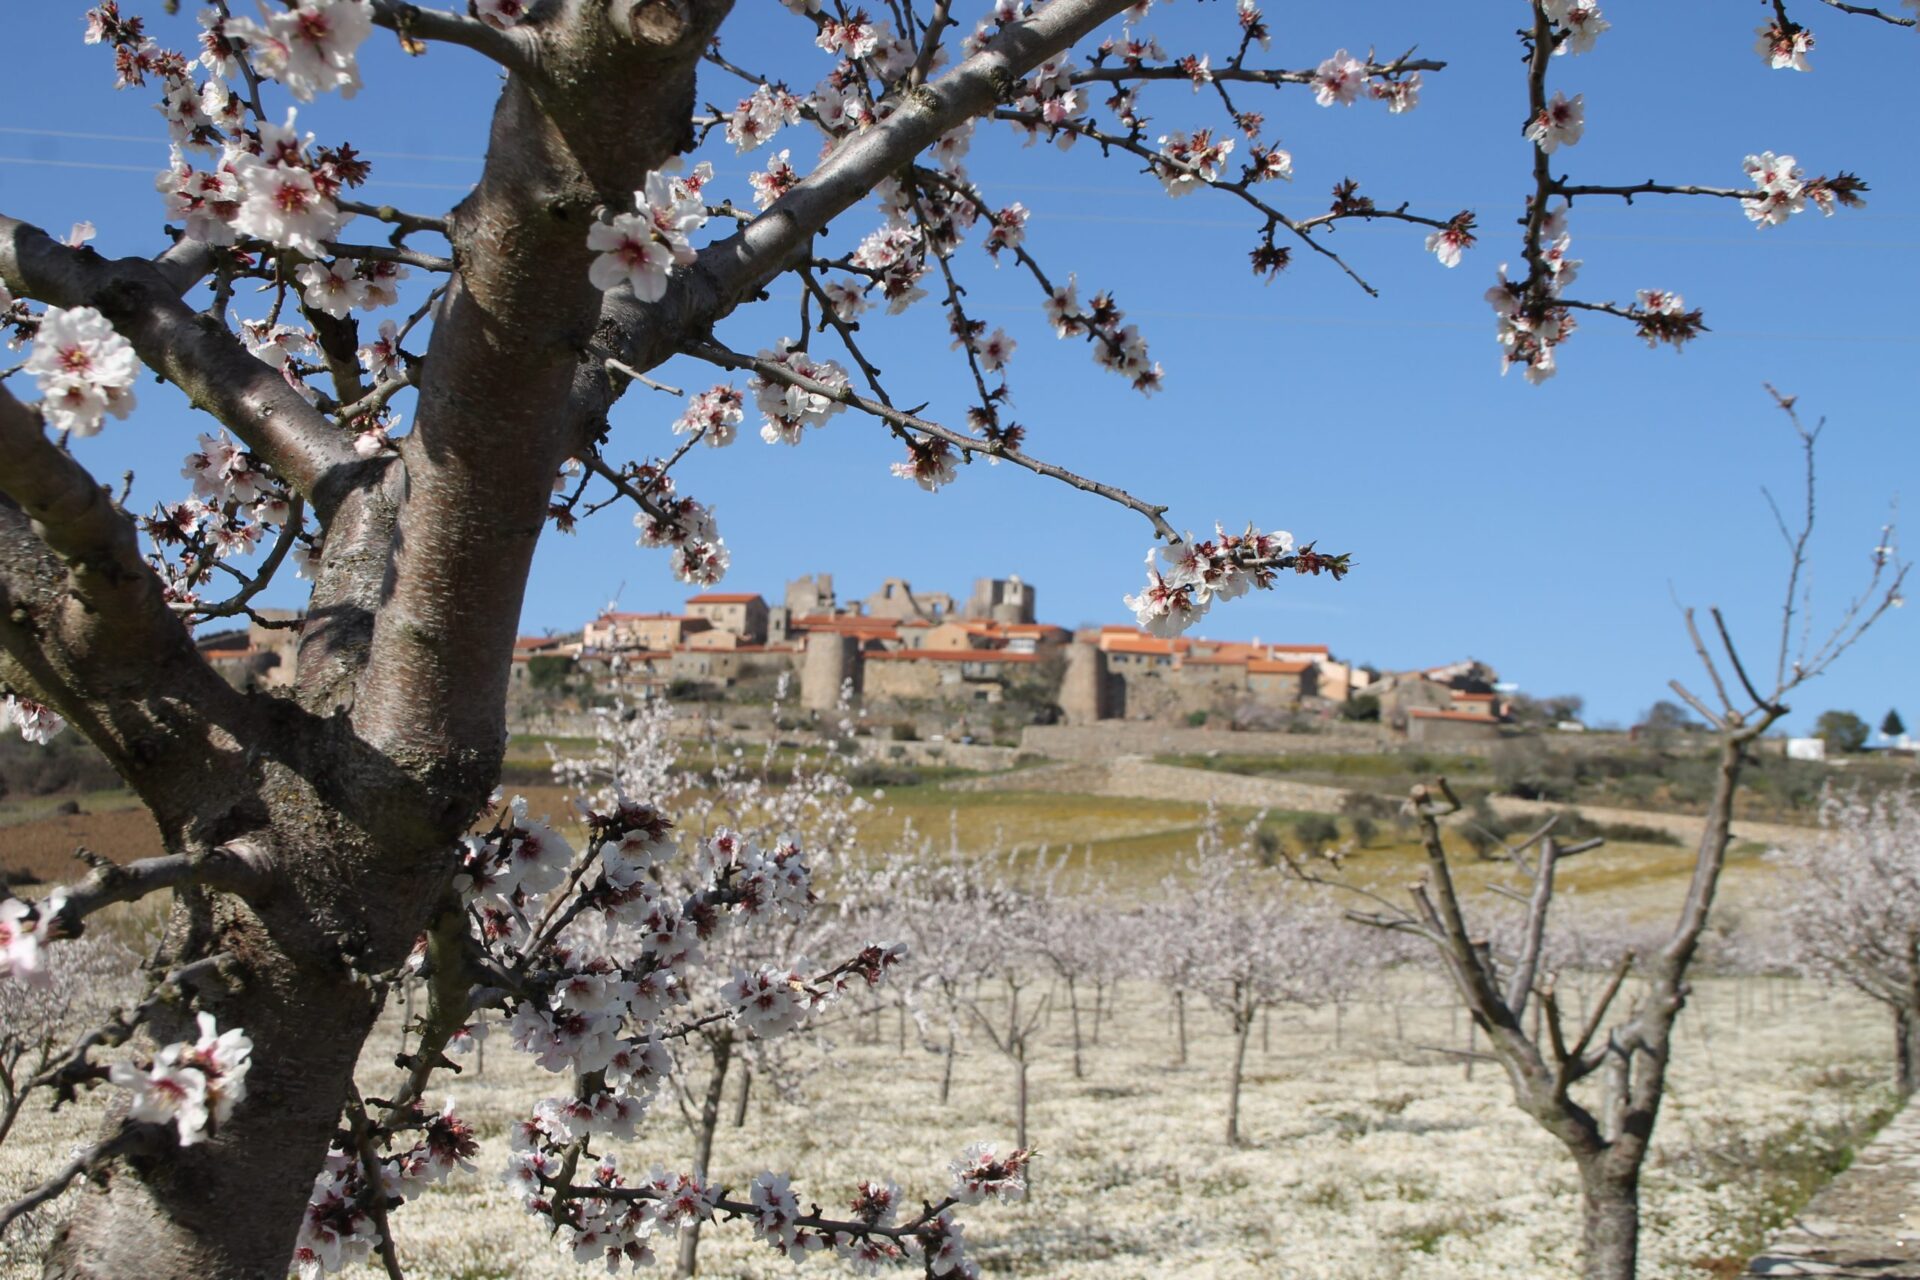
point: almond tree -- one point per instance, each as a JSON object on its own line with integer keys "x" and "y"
{"x": 1854, "y": 918}
{"x": 312, "y": 839}
{"x": 1254, "y": 944}
{"x": 1620, "y": 1068}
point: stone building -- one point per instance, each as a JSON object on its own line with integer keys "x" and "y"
{"x": 951, "y": 675}
{"x": 1424, "y": 724}
{"x": 612, "y": 632}
{"x": 742, "y": 614}
{"x": 1000, "y": 600}
{"x": 897, "y": 599}
{"x": 260, "y": 657}
{"x": 812, "y": 594}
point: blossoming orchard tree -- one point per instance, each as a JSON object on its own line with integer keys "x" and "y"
{"x": 1856, "y": 919}
{"x": 314, "y": 839}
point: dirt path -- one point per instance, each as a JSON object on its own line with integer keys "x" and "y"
{"x": 1865, "y": 1223}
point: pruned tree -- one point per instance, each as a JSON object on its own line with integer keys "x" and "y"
{"x": 1598, "y": 1085}
{"x": 1854, "y": 918}
{"x": 312, "y": 839}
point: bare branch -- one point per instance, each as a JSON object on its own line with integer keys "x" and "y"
{"x": 237, "y": 868}
{"x": 714, "y": 353}
{"x": 412, "y": 23}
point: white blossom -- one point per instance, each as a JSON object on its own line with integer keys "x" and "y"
{"x": 311, "y": 47}
{"x": 83, "y": 369}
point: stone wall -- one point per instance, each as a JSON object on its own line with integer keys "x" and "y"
{"x": 961, "y": 755}
{"x": 1112, "y": 737}
{"x": 1144, "y": 780}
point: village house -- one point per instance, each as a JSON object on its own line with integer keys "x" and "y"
{"x": 740, "y": 614}
{"x": 259, "y": 657}
{"x": 613, "y": 632}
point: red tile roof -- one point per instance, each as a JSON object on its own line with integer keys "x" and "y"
{"x": 1426, "y": 713}
{"x": 1272, "y": 667}
{"x": 724, "y": 597}
{"x": 1137, "y": 643}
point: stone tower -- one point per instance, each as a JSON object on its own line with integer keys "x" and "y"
{"x": 829, "y": 662}
{"x": 1083, "y": 689}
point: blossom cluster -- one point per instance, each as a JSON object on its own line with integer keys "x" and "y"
{"x": 338, "y": 1229}
{"x": 83, "y": 369}
{"x": 1784, "y": 46}
{"x": 193, "y": 1086}
{"x": 611, "y": 945}
{"x": 1784, "y": 190}
{"x": 790, "y": 409}
{"x": 36, "y": 722}
{"x": 1577, "y": 25}
{"x": 1196, "y": 573}
{"x": 24, "y": 935}
{"x": 700, "y": 554}
{"x": 1116, "y": 345}
{"x": 714, "y": 415}
{"x": 236, "y": 499}
{"x": 644, "y": 248}
{"x": 1530, "y": 325}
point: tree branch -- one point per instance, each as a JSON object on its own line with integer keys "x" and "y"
{"x": 511, "y": 48}
{"x": 190, "y": 350}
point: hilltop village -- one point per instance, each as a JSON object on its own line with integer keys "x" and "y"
{"x": 919, "y": 651}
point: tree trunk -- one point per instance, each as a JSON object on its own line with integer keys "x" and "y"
{"x": 1073, "y": 1003}
{"x": 946, "y": 1071}
{"x": 1020, "y": 1100}
{"x": 740, "y": 1103}
{"x": 703, "y": 1146}
{"x": 1180, "y": 1020}
{"x": 175, "y": 1216}
{"x": 1907, "y": 1033}
{"x": 1243, "y": 1032}
{"x": 1610, "y": 1226}
{"x": 344, "y": 903}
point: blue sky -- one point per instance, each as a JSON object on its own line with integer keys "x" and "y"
{"x": 1546, "y": 530}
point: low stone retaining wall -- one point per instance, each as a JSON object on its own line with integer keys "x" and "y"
{"x": 961, "y": 755}
{"x": 1110, "y": 738}
{"x": 1866, "y": 1222}
{"x": 1134, "y": 778}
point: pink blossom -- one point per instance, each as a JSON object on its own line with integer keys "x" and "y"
{"x": 1339, "y": 80}
{"x": 1784, "y": 48}
{"x": 1559, "y": 123}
